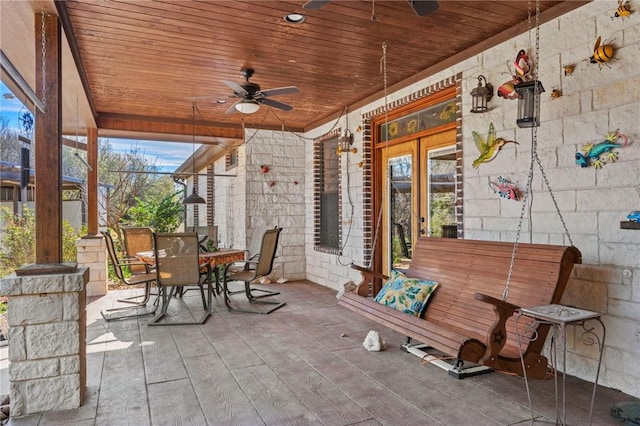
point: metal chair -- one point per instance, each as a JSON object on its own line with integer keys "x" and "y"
{"x": 252, "y": 271}
{"x": 206, "y": 234}
{"x": 147, "y": 279}
{"x": 178, "y": 266}
{"x": 137, "y": 240}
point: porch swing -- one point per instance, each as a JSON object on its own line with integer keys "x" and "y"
{"x": 469, "y": 319}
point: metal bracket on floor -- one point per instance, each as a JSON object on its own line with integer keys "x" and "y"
{"x": 455, "y": 368}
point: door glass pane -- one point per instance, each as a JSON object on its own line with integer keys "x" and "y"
{"x": 400, "y": 199}
{"x": 442, "y": 192}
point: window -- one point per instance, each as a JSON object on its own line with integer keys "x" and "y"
{"x": 327, "y": 195}
{"x": 231, "y": 159}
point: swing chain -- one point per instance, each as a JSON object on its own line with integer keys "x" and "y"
{"x": 44, "y": 56}
{"x": 383, "y": 71}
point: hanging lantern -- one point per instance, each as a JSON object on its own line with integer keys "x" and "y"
{"x": 481, "y": 95}
{"x": 528, "y": 103}
{"x": 194, "y": 198}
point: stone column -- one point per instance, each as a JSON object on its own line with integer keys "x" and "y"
{"x": 47, "y": 341}
{"x": 92, "y": 254}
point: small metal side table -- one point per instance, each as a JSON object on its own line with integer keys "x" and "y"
{"x": 559, "y": 316}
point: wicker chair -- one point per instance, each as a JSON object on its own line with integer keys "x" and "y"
{"x": 147, "y": 279}
{"x": 253, "y": 270}
{"x": 177, "y": 267}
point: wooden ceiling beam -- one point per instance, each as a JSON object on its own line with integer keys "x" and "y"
{"x": 141, "y": 124}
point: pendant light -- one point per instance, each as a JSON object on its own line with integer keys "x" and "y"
{"x": 194, "y": 198}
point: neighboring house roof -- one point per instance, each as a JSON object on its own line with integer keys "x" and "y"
{"x": 10, "y": 175}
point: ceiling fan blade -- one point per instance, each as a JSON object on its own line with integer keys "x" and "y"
{"x": 424, "y": 7}
{"x": 232, "y": 108}
{"x": 236, "y": 87}
{"x": 315, "y": 4}
{"x": 275, "y": 104}
{"x": 279, "y": 91}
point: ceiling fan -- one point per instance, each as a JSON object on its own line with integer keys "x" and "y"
{"x": 251, "y": 96}
{"x": 420, "y": 7}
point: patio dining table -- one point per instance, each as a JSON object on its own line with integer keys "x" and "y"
{"x": 214, "y": 259}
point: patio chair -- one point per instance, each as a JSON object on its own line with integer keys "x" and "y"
{"x": 177, "y": 267}
{"x": 137, "y": 240}
{"x": 253, "y": 271}
{"x": 147, "y": 279}
{"x": 206, "y": 234}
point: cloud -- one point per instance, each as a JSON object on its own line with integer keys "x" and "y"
{"x": 166, "y": 155}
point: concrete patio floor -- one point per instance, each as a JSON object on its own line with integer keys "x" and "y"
{"x": 303, "y": 364}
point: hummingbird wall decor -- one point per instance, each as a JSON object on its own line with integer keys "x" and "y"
{"x": 490, "y": 148}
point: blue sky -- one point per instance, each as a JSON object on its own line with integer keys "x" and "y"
{"x": 166, "y": 155}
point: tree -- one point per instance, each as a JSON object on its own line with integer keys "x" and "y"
{"x": 9, "y": 142}
{"x": 120, "y": 171}
{"x": 18, "y": 240}
{"x": 129, "y": 178}
{"x": 163, "y": 213}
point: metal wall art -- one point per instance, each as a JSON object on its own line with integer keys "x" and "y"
{"x": 505, "y": 189}
{"x": 602, "y": 53}
{"x": 623, "y": 10}
{"x": 490, "y": 148}
{"x": 523, "y": 73}
{"x": 591, "y": 154}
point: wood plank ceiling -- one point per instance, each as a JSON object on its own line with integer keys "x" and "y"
{"x": 145, "y": 61}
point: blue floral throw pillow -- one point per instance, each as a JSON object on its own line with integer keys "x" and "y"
{"x": 404, "y": 294}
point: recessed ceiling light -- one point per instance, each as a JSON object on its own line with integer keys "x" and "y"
{"x": 221, "y": 101}
{"x": 294, "y": 18}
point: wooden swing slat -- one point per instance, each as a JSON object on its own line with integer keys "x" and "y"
{"x": 466, "y": 312}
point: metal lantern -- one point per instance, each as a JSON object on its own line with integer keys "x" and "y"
{"x": 528, "y": 103}
{"x": 481, "y": 95}
{"x": 194, "y": 198}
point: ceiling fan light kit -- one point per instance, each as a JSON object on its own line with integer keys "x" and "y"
{"x": 247, "y": 107}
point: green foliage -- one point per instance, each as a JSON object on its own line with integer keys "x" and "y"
{"x": 442, "y": 212}
{"x": 163, "y": 213}
{"x": 121, "y": 171}
{"x": 19, "y": 240}
{"x": 69, "y": 237}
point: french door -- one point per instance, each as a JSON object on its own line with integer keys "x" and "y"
{"x": 418, "y": 195}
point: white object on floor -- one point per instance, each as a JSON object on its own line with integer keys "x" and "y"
{"x": 373, "y": 342}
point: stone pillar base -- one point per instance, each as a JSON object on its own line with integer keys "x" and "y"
{"x": 47, "y": 341}
{"x": 92, "y": 253}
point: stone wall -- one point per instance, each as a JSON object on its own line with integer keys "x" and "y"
{"x": 276, "y": 197}
{"x": 47, "y": 341}
{"x": 260, "y": 197}
{"x": 596, "y": 100}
